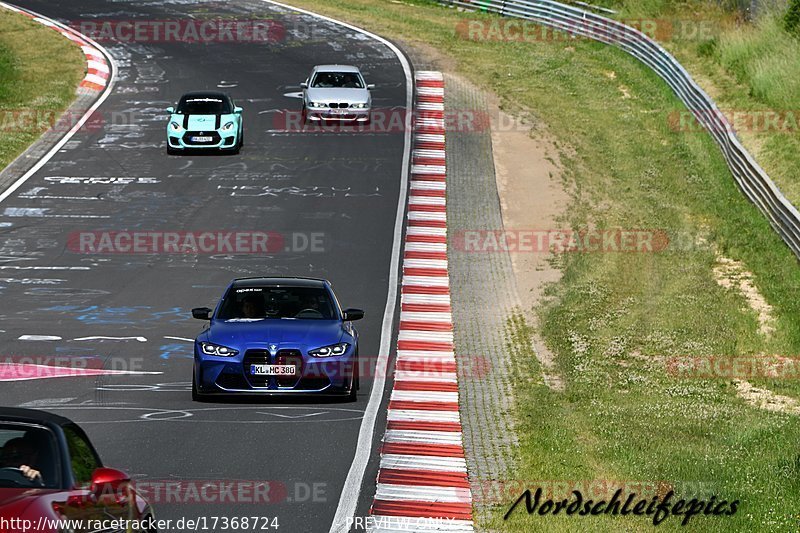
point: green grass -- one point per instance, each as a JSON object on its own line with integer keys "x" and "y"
{"x": 613, "y": 318}
{"x": 39, "y": 72}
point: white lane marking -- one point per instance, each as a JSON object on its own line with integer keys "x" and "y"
{"x": 42, "y": 212}
{"x": 14, "y": 267}
{"x": 178, "y": 338}
{"x": 103, "y": 338}
{"x": 292, "y": 416}
{"x": 46, "y": 402}
{"x": 39, "y": 338}
{"x": 68, "y": 135}
{"x": 351, "y": 490}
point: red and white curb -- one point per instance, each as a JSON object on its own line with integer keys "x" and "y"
{"x": 97, "y": 69}
{"x": 422, "y": 480}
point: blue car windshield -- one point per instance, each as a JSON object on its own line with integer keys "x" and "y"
{"x": 257, "y": 303}
{"x": 32, "y": 447}
{"x": 204, "y": 105}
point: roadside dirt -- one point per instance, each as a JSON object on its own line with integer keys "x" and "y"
{"x": 531, "y": 198}
{"x": 732, "y": 274}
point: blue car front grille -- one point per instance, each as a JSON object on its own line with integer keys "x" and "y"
{"x": 283, "y": 357}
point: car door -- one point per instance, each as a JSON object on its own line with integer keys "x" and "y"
{"x": 106, "y": 505}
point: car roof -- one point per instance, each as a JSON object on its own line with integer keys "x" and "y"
{"x": 205, "y": 94}
{"x": 33, "y": 416}
{"x": 279, "y": 282}
{"x": 336, "y": 68}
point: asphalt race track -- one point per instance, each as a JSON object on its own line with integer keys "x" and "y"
{"x": 131, "y": 312}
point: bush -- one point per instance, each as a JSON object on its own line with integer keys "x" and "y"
{"x": 792, "y": 18}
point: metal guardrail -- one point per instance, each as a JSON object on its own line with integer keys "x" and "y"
{"x": 751, "y": 178}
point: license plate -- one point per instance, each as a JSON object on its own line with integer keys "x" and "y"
{"x": 202, "y": 139}
{"x": 273, "y": 370}
{"x": 339, "y": 111}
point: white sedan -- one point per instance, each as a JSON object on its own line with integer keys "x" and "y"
{"x": 336, "y": 93}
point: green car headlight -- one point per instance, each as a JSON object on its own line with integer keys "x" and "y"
{"x": 174, "y": 126}
{"x": 228, "y": 126}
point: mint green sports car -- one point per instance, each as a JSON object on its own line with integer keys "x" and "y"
{"x": 205, "y": 121}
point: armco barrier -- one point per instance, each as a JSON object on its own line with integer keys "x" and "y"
{"x": 751, "y": 178}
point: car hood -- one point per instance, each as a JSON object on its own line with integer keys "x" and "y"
{"x": 201, "y": 122}
{"x": 354, "y": 96}
{"x": 14, "y": 502}
{"x": 285, "y": 332}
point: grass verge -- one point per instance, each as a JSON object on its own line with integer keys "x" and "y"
{"x": 39, "y": 71}
{"x": 615, "y": 319}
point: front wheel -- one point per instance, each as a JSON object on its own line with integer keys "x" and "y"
{"x": 195, "y": 395}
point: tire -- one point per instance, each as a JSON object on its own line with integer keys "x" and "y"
{"x": 196, "y": 396}
{"x": 353, "y": 395}
{"x": 239, "y": 143}
{"x": 171, "y": 151}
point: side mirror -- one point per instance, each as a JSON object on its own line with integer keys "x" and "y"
{"x": 171, "y": 110}
{"x": 353, "y": 314}
{"x": 202, "y": 313}
{"x": 107, "y": 481}
{"x": 238, "y": 110}
{"x": 370, "y": 86}
{"x": 304, "y": 85}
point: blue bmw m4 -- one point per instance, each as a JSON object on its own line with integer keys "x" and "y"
{"x": 277, "y": 336}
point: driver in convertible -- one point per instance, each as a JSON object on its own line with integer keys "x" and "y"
{"x": 21, "y": 453}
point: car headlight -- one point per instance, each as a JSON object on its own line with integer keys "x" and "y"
{"x": 358, "y": 106}
{"x": 316, "y": 104}
{"x": 174, "y": 126}
{"x": 217, "y": 350}
{"x": 330, "y": 351}
{"x": 228, "y": 126}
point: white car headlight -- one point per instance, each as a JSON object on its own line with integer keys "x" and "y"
{"x": 174, "y": 126}
{"x": 330, "y": 351}
{"x": 228, "y": 126}
{"x": 316, "y": 104}
{"x": 217, "y": 350}
{"x": 359, "y": 106}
